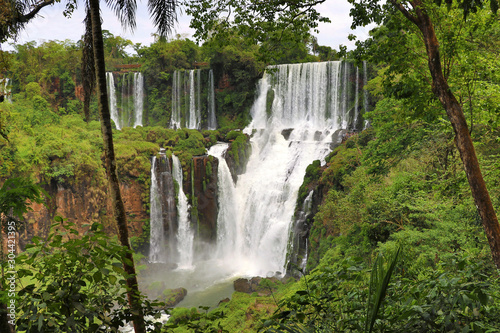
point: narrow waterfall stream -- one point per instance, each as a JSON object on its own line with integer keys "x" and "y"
{"x": 6, "y": 89}
{"x": 212, "y": 120}
{"x": 185, "y": 235}
{"x": 193, "y": 99}
{"x": 157, "y": 237}
{"x": 228, "y": 232}
{"x": 126, "y": 107}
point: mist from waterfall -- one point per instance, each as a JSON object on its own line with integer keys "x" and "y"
{"x": 127, "y": 106}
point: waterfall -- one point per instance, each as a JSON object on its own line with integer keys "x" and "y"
{"x": 176, "y": 101}
{"x": 190, "y": 108}
{"x": 113, "y": 109}
{"x": 130, "y": 98}
{"x": 6, "y": 89}
{"x": 185, "y": 235}
{"x": 299, "y": 242}
{"x": 193, "y": 107}
{"x": 139, "y": 98}
{"x": 163, "y": 212}
{"x": 356, "y": 102}
{"x": 297, "y": 115}
{"x": 345, "y": 94}
{"x": 228, "y": 232}
{"x": 305, "y": 104}
{"x": 157, "y": 234}
{"x": 365, "y": 91}
{"x": 212, "y": 121}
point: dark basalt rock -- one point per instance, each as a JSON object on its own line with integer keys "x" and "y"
{"x": 255, "y": 284}
{"x": 286, "y": 133}
{"x": 203, "y": 186}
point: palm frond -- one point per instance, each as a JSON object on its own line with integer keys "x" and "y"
{"x": 125, "y": 11}
{"x": 164, "y": 16}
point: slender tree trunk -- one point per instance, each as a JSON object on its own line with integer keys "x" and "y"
{"x": 107, "y": 135}
{"x": 463, "y": 139}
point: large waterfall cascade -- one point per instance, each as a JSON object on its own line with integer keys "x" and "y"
{"x": 310, "y": 102}
{"x": 299, "y": 110}
{"x": 126, "y": 98}
{"x": 193, "y": 99}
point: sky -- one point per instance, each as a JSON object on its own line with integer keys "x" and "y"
{"x": 52, "y": 25}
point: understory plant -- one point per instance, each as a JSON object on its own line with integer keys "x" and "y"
{"x": 74, "y": 282}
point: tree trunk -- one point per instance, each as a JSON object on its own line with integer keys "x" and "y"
{"x": 107, "y": 135}
{"x": 463, "y": 139}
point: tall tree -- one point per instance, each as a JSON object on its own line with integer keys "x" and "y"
{"x": 163, "y": 12}
{"x": 109, "y": 152}
{"x": 418, "y": 12}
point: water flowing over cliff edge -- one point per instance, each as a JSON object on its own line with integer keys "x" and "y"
{"x": 298, "y": 116}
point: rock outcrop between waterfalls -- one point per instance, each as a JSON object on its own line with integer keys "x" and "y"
{"x": 203, "y": 189}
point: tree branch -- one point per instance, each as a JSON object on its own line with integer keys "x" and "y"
{"x": 404, "y": 11}
{"x": 26, "y": 17}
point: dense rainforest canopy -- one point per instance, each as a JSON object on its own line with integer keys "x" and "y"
{"x": 395, "y": 239}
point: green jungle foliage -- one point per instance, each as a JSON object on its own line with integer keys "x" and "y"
{"x": 74, "y": 283}
{"x": 395, "y": 244}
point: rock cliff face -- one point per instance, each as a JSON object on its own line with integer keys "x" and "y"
{"x": 305, "y": 210}
{"x": 85, "y": 204}
{"x": 202, "y": 187}
{"x": 237, "y": 157}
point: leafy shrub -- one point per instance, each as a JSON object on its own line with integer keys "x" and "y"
{"x": 76, "y": 283}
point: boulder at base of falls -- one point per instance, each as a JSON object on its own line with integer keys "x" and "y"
{"x": 262, "y": 286}
{"x": 174, "y": 296}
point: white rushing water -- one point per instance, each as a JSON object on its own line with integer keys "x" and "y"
{"x": 138, "y": 98}
{"x": 6, "y": 89}
{"x": 185, "y": 234}
{"x": 297, "y": 110}
{"x": 188, "y": 107}
{"x": 157, "y": 238}
{"x": 307, "y": 106}
{"x": 113, "y": 108}
{"x": 212, "y": 120}
{"x": 131, "y": 97}
{"x": 175, "y": 121}
{"x": 228, "y": 232}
